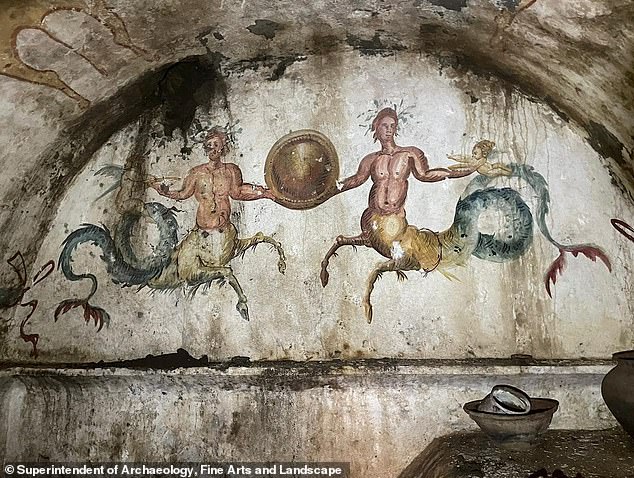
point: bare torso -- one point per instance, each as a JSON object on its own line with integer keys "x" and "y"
{"x": 390, "y": 173}
{"x": 212, "y": 186}
{"x": 390, "y": 169}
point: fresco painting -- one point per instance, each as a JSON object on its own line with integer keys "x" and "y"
{"x": 302, "y": 169}
{"x": 384, "y": 226}
{"x": 14, "y": 297}
{"x": 203, "y": 257}
{"x": 301, "y": 172}
{"x": 30, "y": 17}
{"x": 623, "y": 228}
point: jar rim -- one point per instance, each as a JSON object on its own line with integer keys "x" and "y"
{"x": 624, "y": 355}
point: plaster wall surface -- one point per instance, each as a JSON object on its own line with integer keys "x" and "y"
{"x": 377, "y": 418}
{"x": 488, "y": 309}
{"x": 66, "y": 63}
{"x": 549, "y": 82}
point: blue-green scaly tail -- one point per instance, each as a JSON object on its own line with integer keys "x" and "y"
{"x": 122, "y": 263}
{"x": 477, "y": 198}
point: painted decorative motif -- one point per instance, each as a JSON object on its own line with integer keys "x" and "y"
{"x": 301, "y": 171}
{"x": 384, "y": 226}
{"x": 623, "y": 228}
{"x": 14, "y": 297}
{"x": 29, "y": 17}
{"x": 202, "y": 258}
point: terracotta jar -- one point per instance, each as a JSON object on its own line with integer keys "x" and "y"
{"x": 617, "y": 389}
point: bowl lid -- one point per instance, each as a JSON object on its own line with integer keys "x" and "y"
{"x": 544, "y": 406}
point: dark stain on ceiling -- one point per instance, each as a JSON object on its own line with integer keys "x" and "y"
{"x": 456, "y": 5}
{"x": 265, "y": 28}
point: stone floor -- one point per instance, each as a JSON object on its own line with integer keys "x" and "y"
{"x": 560, "y": 453}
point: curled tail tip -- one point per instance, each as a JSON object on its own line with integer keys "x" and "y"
{"x": 547, "y": 280}
{"x": 65, "y": 305}
{"x": 555, "y": 269}
{"x": 98, "y": 315}
{"x": 591, "y": 251}
{"x": 604, "y": 258}
{"x": 623, "y": 228}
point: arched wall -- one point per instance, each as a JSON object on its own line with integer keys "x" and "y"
{"x": 85, "y": 85}
{"x": 74, "y": 73}
{"x": 478, "y": 309}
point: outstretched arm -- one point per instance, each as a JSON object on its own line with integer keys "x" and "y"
{"x": 245, "y": 191}
{"x": 487, "y": 169}
{"x": 186, "y": 191}
{"x": 360, "y": 177}
{"x": 421, "y": 171}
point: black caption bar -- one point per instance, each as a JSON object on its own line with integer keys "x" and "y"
{"x": 180, "y": 470}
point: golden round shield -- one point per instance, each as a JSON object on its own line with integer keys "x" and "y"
{"x": 302, "y": 169}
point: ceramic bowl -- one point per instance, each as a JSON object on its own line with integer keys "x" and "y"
{"x": 515, "y": 432}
